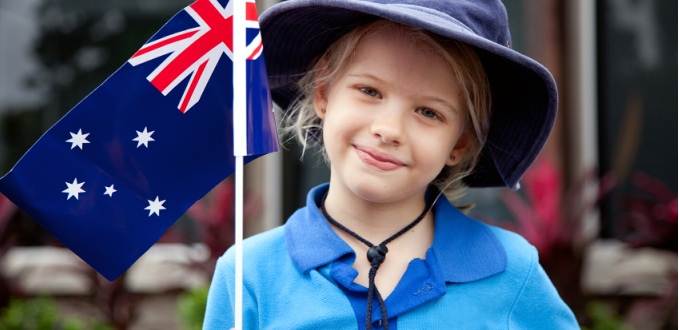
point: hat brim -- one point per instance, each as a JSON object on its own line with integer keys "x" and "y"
{"x": 524, "y": 94}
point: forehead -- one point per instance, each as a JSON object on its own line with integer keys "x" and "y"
{"x": 401, "y": 56}
{"x": 386, "y": 34}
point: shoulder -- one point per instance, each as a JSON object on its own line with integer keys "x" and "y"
{"x": 519, "y": 251}
{"x": 537, "y": 302}
{"x": 523, "y": 262}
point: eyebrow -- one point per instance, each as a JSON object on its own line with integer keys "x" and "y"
{"x": 367, "y": 75}
{"x": 445, "y": 103}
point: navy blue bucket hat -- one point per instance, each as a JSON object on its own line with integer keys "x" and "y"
{"x": 523, "y": 92}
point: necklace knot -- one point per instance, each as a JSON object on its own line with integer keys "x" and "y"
{"x": 377, "y": 254}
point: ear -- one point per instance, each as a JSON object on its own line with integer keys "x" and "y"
{"x": 320, "y": 101}
{"x": 460, "y": 150}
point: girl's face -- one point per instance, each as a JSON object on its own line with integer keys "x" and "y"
{"x": 392, "y": 119}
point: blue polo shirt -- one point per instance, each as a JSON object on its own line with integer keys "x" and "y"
{"x": 474, "y": 276}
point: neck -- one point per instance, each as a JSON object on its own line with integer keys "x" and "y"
{"x": 373, "y": 220}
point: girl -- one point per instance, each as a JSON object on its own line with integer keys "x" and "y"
{"x": 408, "y": 100}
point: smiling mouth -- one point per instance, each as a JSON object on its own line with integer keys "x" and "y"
{"x": 378, "y": 159}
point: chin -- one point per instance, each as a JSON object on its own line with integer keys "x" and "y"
{"x": 376, "y": 193}
{"x": 370, "y": 191}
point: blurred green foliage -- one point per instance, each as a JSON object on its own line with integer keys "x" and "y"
{"x": 42, "y": 314}
{"x": 604, "y": 318}
{"x": 191, "y": 306}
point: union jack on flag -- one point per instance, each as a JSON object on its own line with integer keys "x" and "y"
{"x": 123, "y": 165}
{"x": 196, "y": 51}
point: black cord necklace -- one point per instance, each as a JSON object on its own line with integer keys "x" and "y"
{"x": 376, "y": 255}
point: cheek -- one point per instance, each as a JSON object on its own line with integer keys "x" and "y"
{"x": 341, "y": 120}
{"x": 332, "y": 133}
{"x": 438, "y": 154}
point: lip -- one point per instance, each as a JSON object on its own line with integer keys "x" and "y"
{"x": 378, "y": 159}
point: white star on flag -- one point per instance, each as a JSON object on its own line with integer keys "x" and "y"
{"x": 143, "y": 138}
{"x": 78, "y": 139}
{"x": 155, "y": 206}
{"x": 74, "y": 189}
{"x": 110, "y": 190}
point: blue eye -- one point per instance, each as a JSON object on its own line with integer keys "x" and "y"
{"x": 369, "y": 91}
{"x": 428, "y": 113}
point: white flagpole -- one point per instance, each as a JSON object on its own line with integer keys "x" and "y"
{"x": 239, "y": 145}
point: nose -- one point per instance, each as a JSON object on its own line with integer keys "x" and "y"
{"x": 389, "y": 126}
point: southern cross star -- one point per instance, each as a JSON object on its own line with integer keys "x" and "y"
{"x": 74, "y": 189}
{"x": 143, "y": 138}
{"x": 77, "y": 139}
{"x": 110, "y": 190}
{"x": 155, "y": 206}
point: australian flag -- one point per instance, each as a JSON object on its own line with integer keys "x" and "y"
{"x": 114, "y": 173}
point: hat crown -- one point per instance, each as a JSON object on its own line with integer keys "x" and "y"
{"x": 485, "y": 18}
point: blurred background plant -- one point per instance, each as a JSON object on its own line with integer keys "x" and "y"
{"x": 7, "y": 239}
{"x": 191, "y": 306}
{"x": 42, "y": 314}
{"x": 650, "y": 221}
{"x": 602, "y": 317}
{"x": 213, "y": 216}
{"x": 554, "y": 224}
{"x": 649, "y": 214}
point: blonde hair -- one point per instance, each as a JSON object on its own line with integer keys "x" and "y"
{"x": 302, "y": 122}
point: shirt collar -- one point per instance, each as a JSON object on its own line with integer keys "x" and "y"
{"x": 465, "y": 249}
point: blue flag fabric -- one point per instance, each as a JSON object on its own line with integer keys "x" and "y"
{"x": 124, "y": 164}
